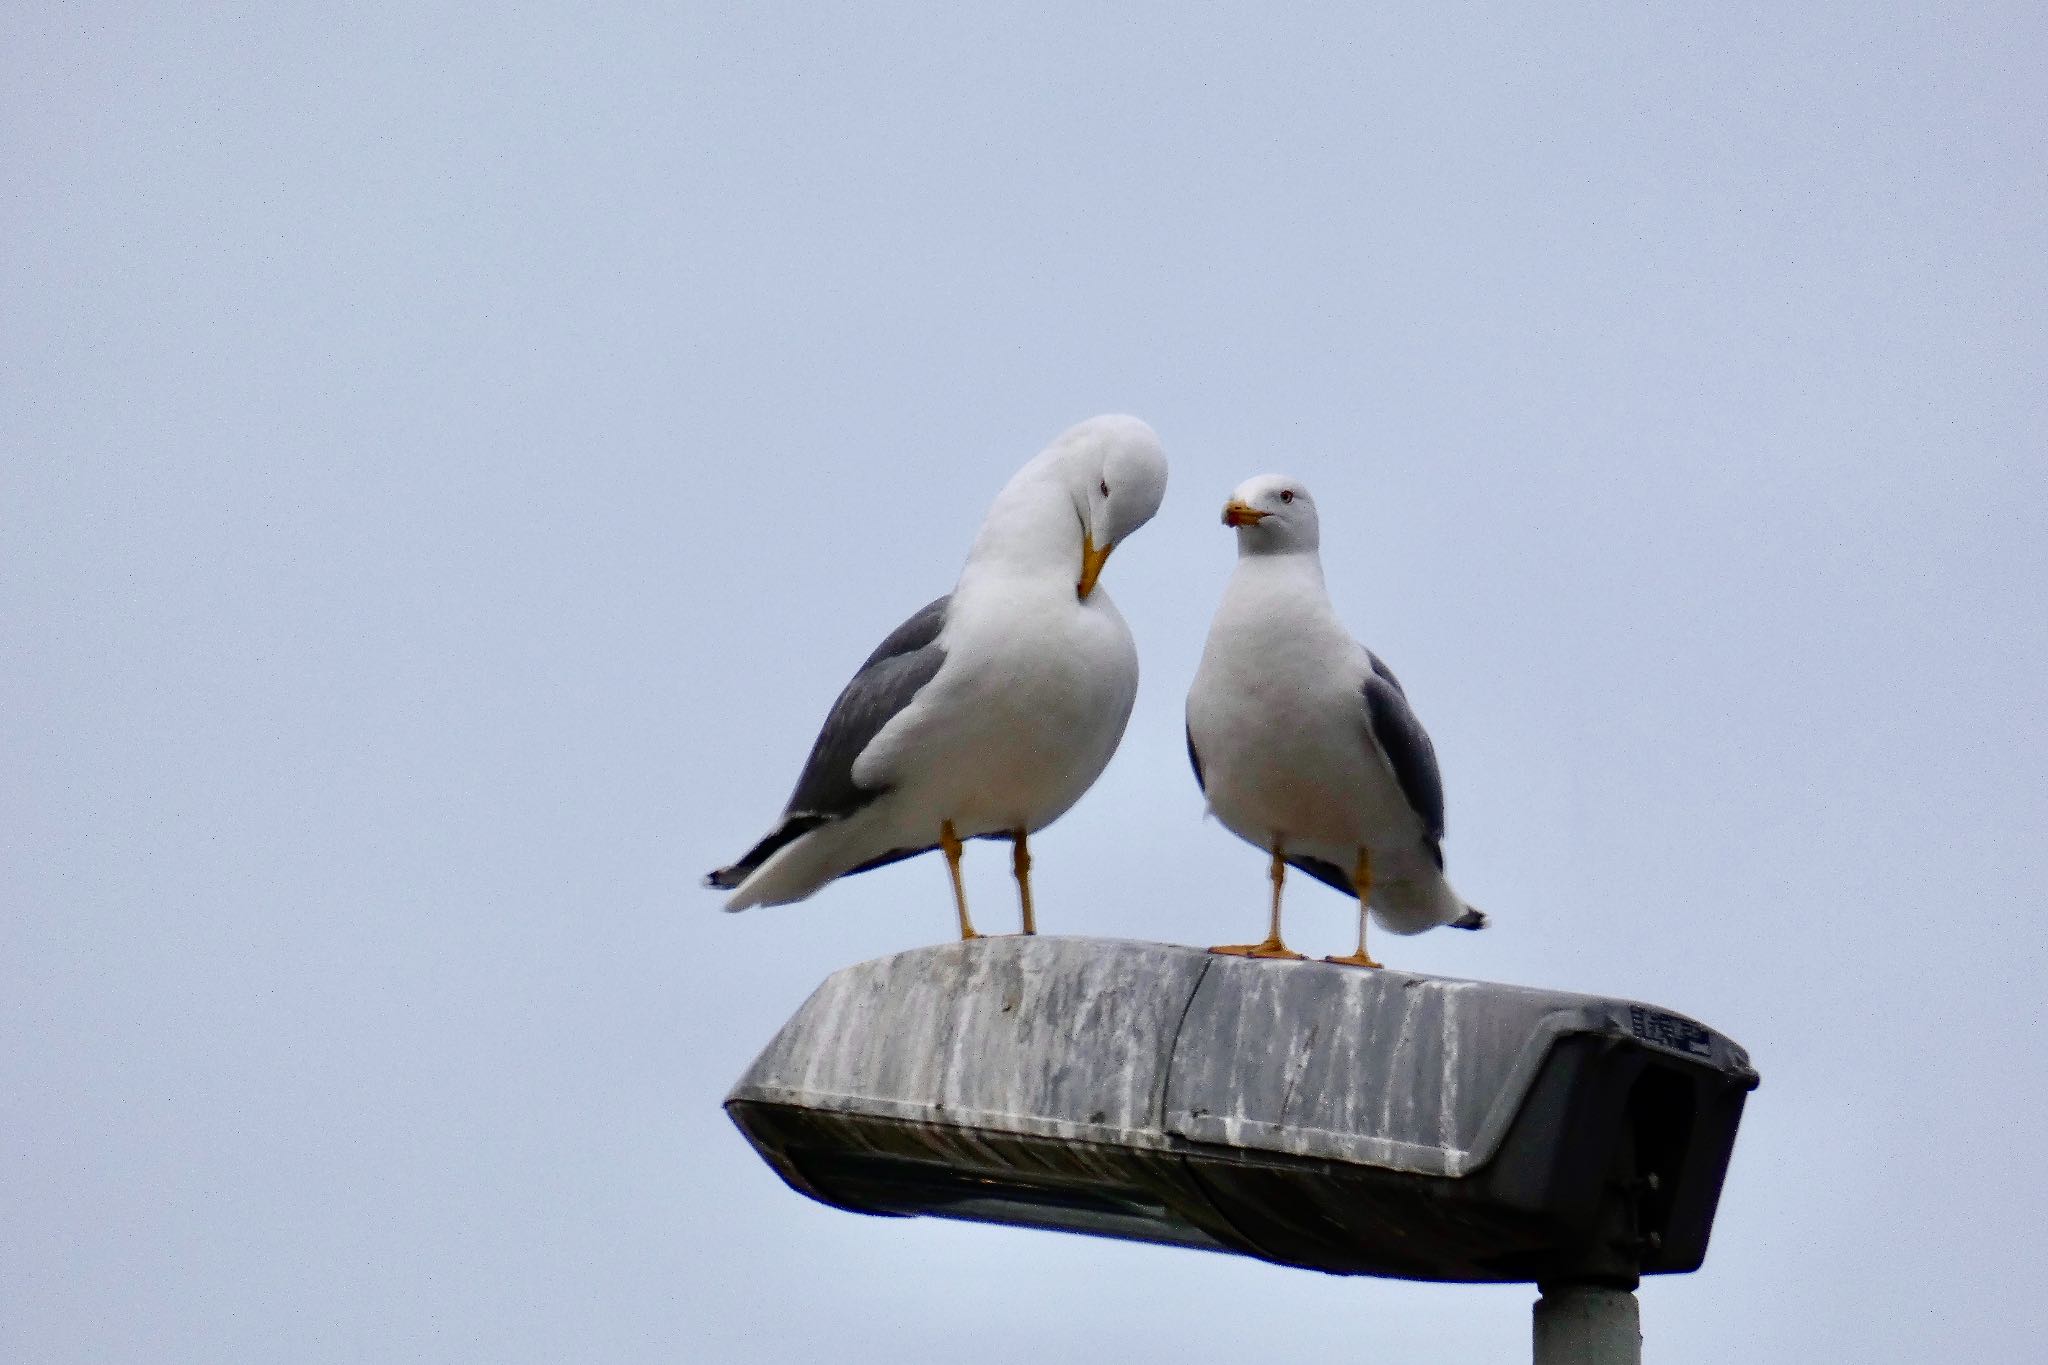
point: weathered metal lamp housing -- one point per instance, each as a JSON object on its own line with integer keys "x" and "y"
{"x": 1352, "y": 1121}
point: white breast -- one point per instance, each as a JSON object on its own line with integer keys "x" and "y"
{"x": 1023, "y": 717}
{"x": 1277, "y": 714}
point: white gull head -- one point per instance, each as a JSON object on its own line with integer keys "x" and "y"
{"x": 1274, "y": 515}
{"x": 1067, "y": 509}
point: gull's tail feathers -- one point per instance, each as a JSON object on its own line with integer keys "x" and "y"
{"x": 803, "y": 855}
{"x": 1410, "y": 902}
{"x": 744, "y": 876}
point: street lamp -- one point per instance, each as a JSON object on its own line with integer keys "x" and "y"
{"x": 1352, "y": 1121}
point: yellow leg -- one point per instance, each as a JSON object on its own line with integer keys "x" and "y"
{"x": 949, "y": 844}
{"x": 1020, "y": 863}
{"x": 1361, "y": 880}
{"x": 1271, "y": 946}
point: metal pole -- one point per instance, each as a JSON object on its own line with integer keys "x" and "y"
{"x": 1588, "y": 1324}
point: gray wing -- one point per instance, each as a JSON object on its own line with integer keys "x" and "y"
{"x": 1195, "y": 761}
{"x": 895, "y": 673}
{"x": 826, "y": 791}
{"x": 1406, "y": 744}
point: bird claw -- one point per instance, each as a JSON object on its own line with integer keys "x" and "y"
{"x": 1272, "y": 949}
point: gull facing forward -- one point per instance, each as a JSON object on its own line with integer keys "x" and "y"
{"x": 1303, "y": 741}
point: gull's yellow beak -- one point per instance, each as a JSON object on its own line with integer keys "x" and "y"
{"x": 1092, "y": 561}
{"x": 1237, "y": 513}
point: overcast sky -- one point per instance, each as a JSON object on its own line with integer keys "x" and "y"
{"x": 451, "y": 462}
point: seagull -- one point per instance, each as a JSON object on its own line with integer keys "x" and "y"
{"x": 1303, "y": 741}
{"x": 990, "y": 711}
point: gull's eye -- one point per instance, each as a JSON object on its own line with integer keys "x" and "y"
{"x": 1104, "y": 486}
{"x": 1287, "y": 495}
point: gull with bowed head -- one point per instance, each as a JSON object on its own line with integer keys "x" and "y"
{"x": 990, "y": 711}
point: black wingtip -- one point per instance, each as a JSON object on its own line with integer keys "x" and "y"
{"x": 1471, "y": 919}
{"x": 728, "y": 879}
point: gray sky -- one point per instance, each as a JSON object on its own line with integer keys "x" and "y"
{"x": 451, "y": 462}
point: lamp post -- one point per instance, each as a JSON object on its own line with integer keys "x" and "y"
{"x": 1344, "y": 1120}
